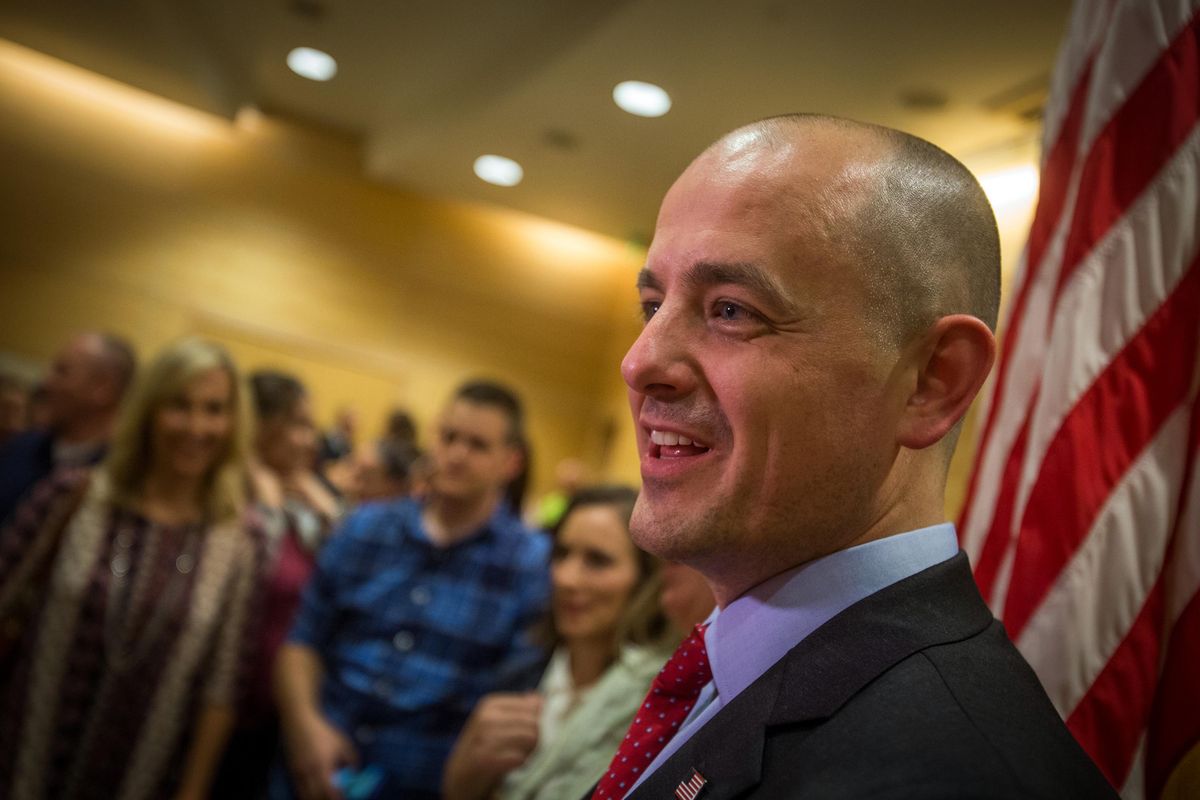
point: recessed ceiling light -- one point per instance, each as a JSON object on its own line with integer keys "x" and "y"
{"x": 642, "y": 99}
{"x": 499, "y": 170}
{"x": 308, "y": 62}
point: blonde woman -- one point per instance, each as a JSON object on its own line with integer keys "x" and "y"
{"x": 610, "y": 639}
{"x": 137, "y": 577}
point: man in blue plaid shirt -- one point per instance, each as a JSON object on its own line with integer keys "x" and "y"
{"x": 415, "y": 611}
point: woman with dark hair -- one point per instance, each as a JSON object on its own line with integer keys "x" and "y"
{"x": 293, "y": 512}
{"x": 285, "y": 451}
{"x": 130, "y": 586}
{"x": 609, "y": 639}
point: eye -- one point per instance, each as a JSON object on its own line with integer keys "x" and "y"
{"x": 597, "y": 560}
{"x": 732, "y": 312}
{"x": 649, "y": 309}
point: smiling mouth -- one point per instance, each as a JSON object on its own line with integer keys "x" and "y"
{"x": 667, "y": 444}
{"x": 570, "y": 609}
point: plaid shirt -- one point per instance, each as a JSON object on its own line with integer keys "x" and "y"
{"x": 412, "y": 634}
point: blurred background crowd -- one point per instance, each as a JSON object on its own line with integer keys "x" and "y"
{"x": 204, "y": 594}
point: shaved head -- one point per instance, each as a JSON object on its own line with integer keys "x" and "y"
{"x": 909, "y": 216}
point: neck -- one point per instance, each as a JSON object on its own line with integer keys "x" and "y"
{"x": 450, "y": 520}
{"x": 171, "y": 500}
{"x": 82, "y": 430}
{"x": 913, "y": 497}
{"x": 897, "y": 507}
{"x": 588, "y": 659}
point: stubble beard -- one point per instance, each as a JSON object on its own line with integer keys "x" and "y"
{"x": 690, "y": 539}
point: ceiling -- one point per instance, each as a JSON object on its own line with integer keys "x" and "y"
{"x": 425, "y": 87}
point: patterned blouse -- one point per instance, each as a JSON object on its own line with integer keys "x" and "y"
{"x": 139, "y": 627}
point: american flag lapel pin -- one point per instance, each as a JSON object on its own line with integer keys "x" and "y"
{"x": 691, "y": 787}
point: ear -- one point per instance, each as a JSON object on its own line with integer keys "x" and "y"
{"x": 953, "y": 360}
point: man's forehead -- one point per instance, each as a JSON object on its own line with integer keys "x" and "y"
{"x": 710, "y": 273}
{"x": 83, "y": 346}
{"x": 478, "y": 417}
{"x": 786, "y": 159}
{"x": 754, "y": 192}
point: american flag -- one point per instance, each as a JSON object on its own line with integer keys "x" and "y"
{"x": 1083, "y": 513}
{"x": 691, "y": 787}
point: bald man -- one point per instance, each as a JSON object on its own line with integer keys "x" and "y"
{"x": 819, "y": 302}
{"x": 83, "y": 390}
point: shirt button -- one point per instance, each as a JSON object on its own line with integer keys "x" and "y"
{"x": 420, "y": 596}
{"x": 364, "y": 734}
{"x": 403, "y": 641}
{"x": 382, "y": 688}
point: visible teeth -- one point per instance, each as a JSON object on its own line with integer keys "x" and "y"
{"x": 670, "y": 439}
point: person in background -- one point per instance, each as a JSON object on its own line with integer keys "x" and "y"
{"x": 83, "y": 392}
{"x": 609, "y": 638}
{"x": 130, "y": 587}
{"x": 285, "y": 449}
{"x": 400, "y": 427}
{"x": 294, "y": 513}
{"x": 14, "y": 407}
{"x": 686, "y": 598}
{"x": 416, "y": 610}
{"x": 338, "y": 443}
{"x": 382, "y": 470}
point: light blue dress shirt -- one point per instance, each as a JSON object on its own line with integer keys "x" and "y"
{"x": 748, "y": 636}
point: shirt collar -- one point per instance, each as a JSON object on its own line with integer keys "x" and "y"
{"x": 757, "y": 629}
{"x": 500, "y": 520}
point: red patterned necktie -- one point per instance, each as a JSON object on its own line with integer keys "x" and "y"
{"x": 671, "y": 697}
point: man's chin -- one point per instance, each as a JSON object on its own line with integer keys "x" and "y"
{"x": 670, "y": 535}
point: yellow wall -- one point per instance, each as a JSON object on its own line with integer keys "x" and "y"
{"x": 126, "y": 212}
{"x": 123, "y": 211}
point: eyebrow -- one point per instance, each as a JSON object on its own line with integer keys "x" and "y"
{"x": 708, "y": 273}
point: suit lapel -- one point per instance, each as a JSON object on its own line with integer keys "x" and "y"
{"x": 727, "y": 751}
{"x": 820, "y": 674}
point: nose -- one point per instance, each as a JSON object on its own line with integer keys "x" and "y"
{"x": 564, "y": 573}
{"x": 455, "y": 451}
{"x": 198, "y": 423}
{"x": 660, "y": 364}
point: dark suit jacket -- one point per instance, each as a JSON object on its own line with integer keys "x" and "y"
{"x": 24, "y": 460}
{"x": 915, "y": 691}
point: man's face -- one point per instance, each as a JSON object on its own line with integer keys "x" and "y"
{"x": 761, "y": 404}
{"x": 472, "y": 452}
{"x": 75, "y": 384}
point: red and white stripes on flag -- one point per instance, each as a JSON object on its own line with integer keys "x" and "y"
{"x": 1082, "y": 518}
